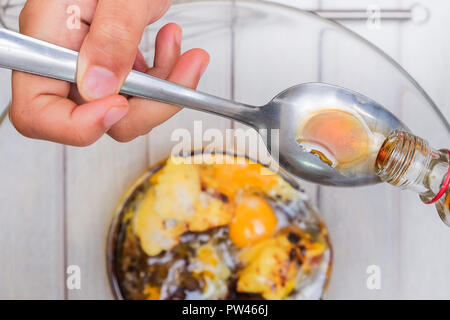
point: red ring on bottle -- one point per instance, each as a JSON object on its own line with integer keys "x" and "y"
{"x": 444, "y": 185}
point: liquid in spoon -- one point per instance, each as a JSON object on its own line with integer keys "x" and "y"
{"x": 341, "y": 139}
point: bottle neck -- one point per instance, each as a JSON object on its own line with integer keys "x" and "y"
{"x": 408, "y": 162}
{"x": 404, "y": 161}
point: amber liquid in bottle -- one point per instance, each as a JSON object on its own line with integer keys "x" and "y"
{"x": 408, "y": 162}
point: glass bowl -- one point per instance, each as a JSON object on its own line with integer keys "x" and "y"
{"x": 131, "y": 270}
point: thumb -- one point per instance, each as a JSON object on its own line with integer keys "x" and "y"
{"x": 110, "y": 47}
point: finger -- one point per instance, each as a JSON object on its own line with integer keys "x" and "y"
{"x": 110, "y": 48}
{"x": 167, "y": 50}
{"x": 47, "y": 20}
{"x": 187, "y": 72}
{"x": 167, "y": 53}
{"x": 61, "y": 120}
{"x": 145, "y": 114}
{"x": 139, "y": 63}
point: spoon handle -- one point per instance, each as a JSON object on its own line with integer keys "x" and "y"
{"x": 27, "y": 54}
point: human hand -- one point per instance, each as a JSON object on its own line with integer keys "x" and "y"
{"x": 107, "y": 40}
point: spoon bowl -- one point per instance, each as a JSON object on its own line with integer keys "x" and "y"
{"x": 285, "y": 112}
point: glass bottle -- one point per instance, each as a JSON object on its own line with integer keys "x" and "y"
{"x": 408, "y": 162}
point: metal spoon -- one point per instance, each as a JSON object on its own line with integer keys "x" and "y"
{"x": 23, "y": 53}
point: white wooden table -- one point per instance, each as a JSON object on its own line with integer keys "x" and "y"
{"x": 54, "y": 214}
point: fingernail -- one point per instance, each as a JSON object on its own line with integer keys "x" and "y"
{"x": 99, "y": 83}
{"x": 113, "y": 116}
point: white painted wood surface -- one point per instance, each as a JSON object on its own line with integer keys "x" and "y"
{"x": 31, "y": 225}
{"x": 401, "y": 235}
{"x": 366, "y": 225}
{"x": 425, "y": 257}
{"x": 53, "y": 212}
{"x": 91, "y": 202}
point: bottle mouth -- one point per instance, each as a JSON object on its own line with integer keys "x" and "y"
{"x": 396, "y": 157}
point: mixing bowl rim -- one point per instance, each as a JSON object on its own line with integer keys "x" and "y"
{"x": 395, "y": 64}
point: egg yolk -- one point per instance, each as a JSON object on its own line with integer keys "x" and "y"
{"x": 339, "y": 132}
{"x": 254, "y": 220}
{"x": 230, "y": 178}
{"x": 152, "y": 293}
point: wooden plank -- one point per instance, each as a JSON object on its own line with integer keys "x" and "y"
{"x": 96, "y": 177}
{"x": 363, "y": 222}
{"x": 31, "y": 228}
{"x": 416, "y": 240}
{"x": 268, "y": 59}
{"x": 424, "y": 238}
{"x": 215, "y": 38}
